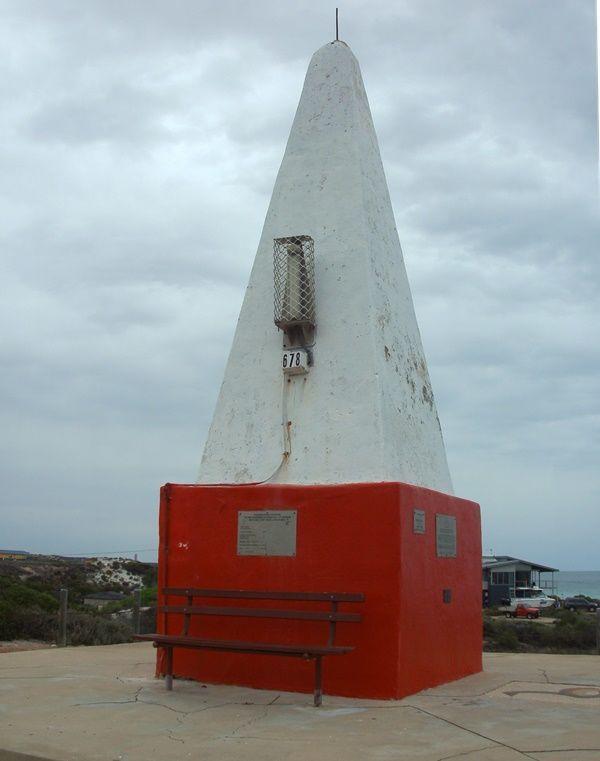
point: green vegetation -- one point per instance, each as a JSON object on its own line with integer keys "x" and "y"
{"x": 23, "y": 609}
{"x": 14, "y": 593}
{"x": 29, "y": 600}
{"x": 148, "y": 599}
{"x": 569, "y": 633}
{"x": 82, "y": 628}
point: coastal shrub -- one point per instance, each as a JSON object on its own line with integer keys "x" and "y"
{"x": 506, "y": 638}
{"x": 565, "y": 617}
{"x": 90, "y": 629}
{"x": 147, "y": 572}
{"x": 82, "y": 628}
{"x": 532, "y": 634}
{"x": 570, "y": 633}
{"x": 26, "y": 623}
{"x": 30, "y": 612}
{"x": 579, "y": 634}
{"x": 149, "y": 595}
{"x": 500, "y": 635}
{"x": 24, "y": 610}
{"x": 147, "y": 599}
{"x": 488, "y": 626}
{"x": 15, "y": 594}
{"x": 148, "y": 620}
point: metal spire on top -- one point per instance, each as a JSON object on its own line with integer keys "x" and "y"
{"x": 337, "y": 33}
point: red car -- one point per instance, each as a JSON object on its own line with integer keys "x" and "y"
{"x": 523, "y": 611}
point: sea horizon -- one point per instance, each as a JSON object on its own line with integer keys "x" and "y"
{"x": 571, "y": 583}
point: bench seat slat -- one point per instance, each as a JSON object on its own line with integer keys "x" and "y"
{"x": 262, "y": 595}
{"x": 246, "y": 647}
{"x": 168, "y": 642}
{"x": 307, "y": 615}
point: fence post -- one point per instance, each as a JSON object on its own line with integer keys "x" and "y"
{"x": 62, "y": 618}
{"x": 598, "y": 630}
{"x": 137, "y": 604}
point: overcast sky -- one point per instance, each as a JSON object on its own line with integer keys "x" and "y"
{"x": 139, "y": 146}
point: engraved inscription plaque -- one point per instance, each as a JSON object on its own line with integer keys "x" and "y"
{"x": 267, "y": 532}
{"x": 445, "y": 535}
{"x": 418, "y": 521}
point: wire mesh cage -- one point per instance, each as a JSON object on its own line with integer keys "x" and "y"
{"x": 294, "y": 274}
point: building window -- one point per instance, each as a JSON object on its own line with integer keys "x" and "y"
{"x": 500, "y": 577}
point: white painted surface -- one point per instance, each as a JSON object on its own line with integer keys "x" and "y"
{"x": 365, "y": 411}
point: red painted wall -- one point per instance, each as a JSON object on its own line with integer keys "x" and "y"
{"x": 350, "y": 538}
{"x": 438, "y": 641}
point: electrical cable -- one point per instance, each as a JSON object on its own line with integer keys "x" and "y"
{"x": 287, "y": 443}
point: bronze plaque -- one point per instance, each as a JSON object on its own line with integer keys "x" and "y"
{"x": 445, "y": 535}
{"x": 267, "y": 532}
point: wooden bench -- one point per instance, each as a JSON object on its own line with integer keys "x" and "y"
{"x": 309, "y": 652}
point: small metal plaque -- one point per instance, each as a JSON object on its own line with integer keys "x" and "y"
{"x": 447, "y": 595}
{"x": 418, "y": 521}
{"x": 445, "y": 535}
{"x": 267, "y": 532}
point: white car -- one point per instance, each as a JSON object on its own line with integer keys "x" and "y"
{"x": 532, "y": 596}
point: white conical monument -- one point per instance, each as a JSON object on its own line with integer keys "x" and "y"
{"x": 364, "y": 410}
{"x": 324, "y": 437}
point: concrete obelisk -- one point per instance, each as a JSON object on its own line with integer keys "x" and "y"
{"x": 365, "y": 410}
{"x": 324, "y": 469}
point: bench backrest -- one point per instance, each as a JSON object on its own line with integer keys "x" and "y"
{"x": 332, "y": 616}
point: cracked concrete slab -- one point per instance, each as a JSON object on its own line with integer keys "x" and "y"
{"x": 570, "y": 755}
{"x": 102, "y": 703}
{"x": 546, "y": 691}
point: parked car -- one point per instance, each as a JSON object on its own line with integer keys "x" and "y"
{"x": 523, "y": 611}
{"x": 580, "y": 603}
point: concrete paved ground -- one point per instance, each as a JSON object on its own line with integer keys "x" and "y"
{"x": 102, "y": 703}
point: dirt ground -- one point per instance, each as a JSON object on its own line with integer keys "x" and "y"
{"x": 23, "y": 644}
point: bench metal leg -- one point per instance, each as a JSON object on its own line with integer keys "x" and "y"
{"x": 169, "y": 669}
{"x": 318, "y": 682}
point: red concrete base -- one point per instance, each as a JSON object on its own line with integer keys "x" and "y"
{"x": 350, "y": 538}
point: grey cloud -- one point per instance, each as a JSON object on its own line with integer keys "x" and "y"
{"x": 141, "y": 142}
{"x": 121, "y": 112}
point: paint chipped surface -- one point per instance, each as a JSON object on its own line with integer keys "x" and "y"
{"x": 366, "y": 410}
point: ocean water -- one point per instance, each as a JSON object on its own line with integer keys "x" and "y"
{"x": 571, "y": 583}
